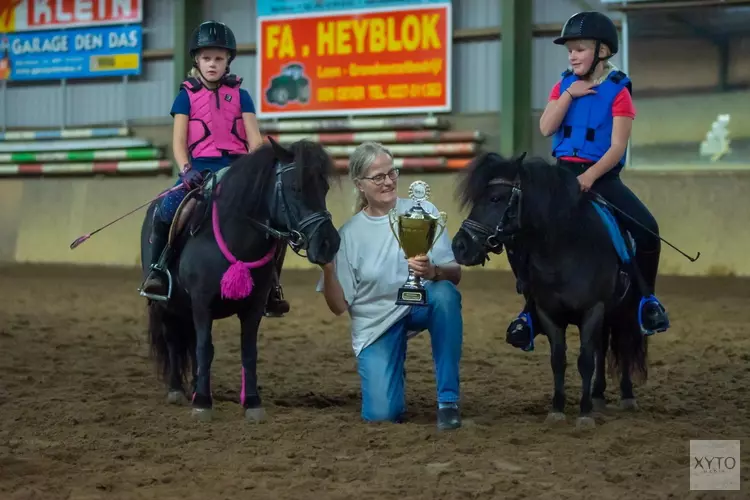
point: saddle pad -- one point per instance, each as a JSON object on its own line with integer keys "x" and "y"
{"x": 615, "y": 235}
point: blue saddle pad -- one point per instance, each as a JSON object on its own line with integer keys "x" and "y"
{"x": 613, "y": 228}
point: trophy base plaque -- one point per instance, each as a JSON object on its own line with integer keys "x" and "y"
{"x": 408, "y": 296}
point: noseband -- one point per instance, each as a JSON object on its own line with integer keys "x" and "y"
{"x": 487, "y": 237}
{"x": 282, "y": 210}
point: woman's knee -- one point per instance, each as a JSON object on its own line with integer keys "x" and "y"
{"x": 382, "y": 399}
{"x": 382, "y": 413}
{"x": 444, "y": 294}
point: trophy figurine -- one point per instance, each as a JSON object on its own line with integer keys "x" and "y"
{"x": 415, "y": 232}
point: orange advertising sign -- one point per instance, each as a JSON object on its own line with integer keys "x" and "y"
{"x": 389, "y": 61}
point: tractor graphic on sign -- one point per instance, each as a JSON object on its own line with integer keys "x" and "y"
{"x": 288, "y": 86}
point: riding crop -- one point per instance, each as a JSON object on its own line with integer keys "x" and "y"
{"x": 85, "y": 237}
{"x": 606, "y": 203}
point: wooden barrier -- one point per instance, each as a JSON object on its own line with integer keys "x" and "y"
{"x": 72, "y": 152}
{"x": 417, "y": 143}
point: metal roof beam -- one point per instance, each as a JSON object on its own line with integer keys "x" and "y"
{"x": 665, "y": 5}
{"x": 697, "y": 30}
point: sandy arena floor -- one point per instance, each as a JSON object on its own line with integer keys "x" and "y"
{"x": 82, "y": 415}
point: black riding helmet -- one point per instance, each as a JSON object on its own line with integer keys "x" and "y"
{"x": 213, "y": 34}
{"x": 591, "y": 25}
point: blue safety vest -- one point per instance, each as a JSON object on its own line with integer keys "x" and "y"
{"x": 586, "y": 130}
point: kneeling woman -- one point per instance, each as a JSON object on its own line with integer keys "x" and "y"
{"x": 364, "y": 280}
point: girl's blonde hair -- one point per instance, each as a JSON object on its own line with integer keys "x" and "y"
{"x": 359, "y": 161}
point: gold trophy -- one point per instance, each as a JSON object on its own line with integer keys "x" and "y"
{"x": 415, "y": 232}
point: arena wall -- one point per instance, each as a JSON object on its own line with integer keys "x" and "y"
{"x": 698, "y": 211}
{"x": 701, "y": 210}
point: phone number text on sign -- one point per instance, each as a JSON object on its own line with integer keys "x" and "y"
{"x": 389, "y": 61}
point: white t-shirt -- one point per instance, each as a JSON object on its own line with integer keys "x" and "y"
{"x": 371, "y": 267}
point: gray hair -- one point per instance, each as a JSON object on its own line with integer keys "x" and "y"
{"x": 359, "y": 161}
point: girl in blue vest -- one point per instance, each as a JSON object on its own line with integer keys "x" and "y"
{"x": 214, "y": 124}
{"x": 590, "y": 114}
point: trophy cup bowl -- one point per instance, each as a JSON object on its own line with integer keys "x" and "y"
{"x": 416, "y": 231}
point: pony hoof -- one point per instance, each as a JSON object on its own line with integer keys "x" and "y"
{"x": 554, "y": 417}
{"x": 176, "y": 398}
{"x": 203, "y": 414}
{"x": 628, "y": 405}
{"x": 600, "y": 405}
{"x": 585, "y": 423}
{"x": 255, "y": 415}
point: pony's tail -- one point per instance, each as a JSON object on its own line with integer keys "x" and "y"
{"x": 163, "y": 327}
{"x": 628, "y": 348}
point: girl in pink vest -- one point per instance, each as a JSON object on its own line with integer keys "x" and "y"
{"x": 214, "y": 124}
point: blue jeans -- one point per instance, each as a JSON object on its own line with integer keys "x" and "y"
{"x": 381, "y": 364}
{"x": 171, "y": 202}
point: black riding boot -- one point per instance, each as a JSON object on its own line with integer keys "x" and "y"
{"x": 652, "y": 316}
{"x": 160, "y": 253}
{"x": 276, "y": 305}
{"x": 525, "y": 327}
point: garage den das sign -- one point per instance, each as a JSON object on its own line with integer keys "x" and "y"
{"x": 344, "y": 57}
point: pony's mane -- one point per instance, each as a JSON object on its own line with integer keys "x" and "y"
{"x": 250, "y": 177}
{"x": 551, "y": 194}
{"x": 477, "y": 176}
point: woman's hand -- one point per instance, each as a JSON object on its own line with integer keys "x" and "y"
{"x": 422, "y": 267}
{"x": 581, "y": 88}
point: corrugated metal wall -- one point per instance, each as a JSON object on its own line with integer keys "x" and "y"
{"x": 238, "y": 13}
{"x": 476, "y": 68}
{"x": 102, "y": 101}
{"x": 477, "y": 82}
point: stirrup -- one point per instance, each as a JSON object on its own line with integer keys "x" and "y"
{"x": 527, "y": 317}
{"x": 641, "y": 305}
{"x": 153, "y": 296}
{"x": 279, "y": 299}
{"x": 162, "y": 267}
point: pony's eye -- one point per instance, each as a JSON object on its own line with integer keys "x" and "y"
{"x": 495, "y": 199}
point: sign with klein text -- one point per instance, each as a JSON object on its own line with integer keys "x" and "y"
{"x": 29, "y": 15}
{"x": 81, "y": 53}
{"x": 394, "y": 59}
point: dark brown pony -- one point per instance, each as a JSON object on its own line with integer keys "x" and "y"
{"x": 575, "y": 274}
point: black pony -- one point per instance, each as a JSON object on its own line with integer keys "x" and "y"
{"x": 265, "y": 199}
{"x": 574, "y": 273}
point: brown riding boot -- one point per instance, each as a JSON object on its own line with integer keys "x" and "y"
{"x": 276, "y": 305}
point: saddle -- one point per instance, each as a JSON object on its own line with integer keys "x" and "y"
{"x": 193, "y": 210}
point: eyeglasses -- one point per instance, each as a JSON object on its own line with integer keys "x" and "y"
{"x": 379, "y": 179}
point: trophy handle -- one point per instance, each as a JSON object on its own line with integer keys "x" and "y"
{"x": 442, "y": 222}
{"x": 393, "y": 218}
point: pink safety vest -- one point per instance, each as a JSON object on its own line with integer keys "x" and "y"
{"x": 215, "y": 123}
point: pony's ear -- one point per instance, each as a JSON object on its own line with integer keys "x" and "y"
{"x": 280, "y": 151}
{"x": 519, "y": 159}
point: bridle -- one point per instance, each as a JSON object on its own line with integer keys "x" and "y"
{"x": 282, "y": 209}
{"x": 492, "y": 239}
